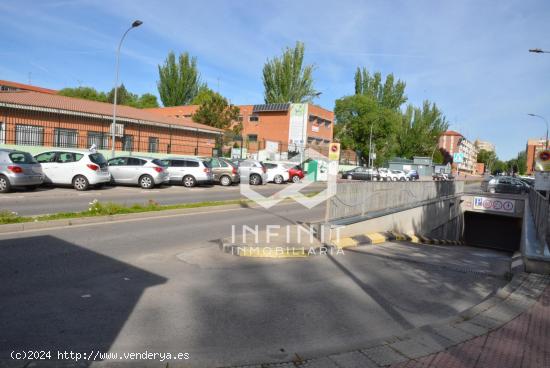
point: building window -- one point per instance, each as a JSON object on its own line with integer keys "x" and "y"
{"x": 153, "y": 144}
{"x": 254, "y": 118}
{"x": 128, "y": 142}
{"x": 253, "y": 137}
{"x": 67, "y": 138}
{"x": 100, "y": 139}
{"x": 2, "y": 133}
{"x": 29, "y": 135}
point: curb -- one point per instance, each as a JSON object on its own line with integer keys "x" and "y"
{"x": 505, "y": 305}
{"x": 81, "y": 221}
{"x": 381, "y": 237}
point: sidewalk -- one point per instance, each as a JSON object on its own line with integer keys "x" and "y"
{"x": 523, "y": 342}
{"x": 510, "y": 329}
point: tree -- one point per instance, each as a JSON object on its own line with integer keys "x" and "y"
{"x": 419, "y": 131}
{"x": 488, "y": 158}
{"x": 87, "y": 93}
{"x": 205, "y": 94}
{"x": 218, "y": 113}
{"x": 178, "y": 82}
{"x": 286, "y": 79}
{"x": 147, "y": 100}
{"x": 391, "y": 94}
{"x": 123, "y": 96}
{"x": 356, "y": 115}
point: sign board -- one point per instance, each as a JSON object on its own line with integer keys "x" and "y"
{"x": 542, "y": 161}
{"x": 334, "y": 152}
{"x": 297, "y": 130}
{"x": 237, "y": 154}
{"x": 542, "y": 180}
{"x": 315, "y": 128}
{"x": 494, "y": 204}
{"x": 458, "y": 157}
{"x": 272, "y": 146}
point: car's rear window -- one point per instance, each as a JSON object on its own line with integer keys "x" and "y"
{"x": 97, "y": 158}
{"x": 22, "y": 158}
{"x": 161, "y": 163}
{"x": 206, "y": 163}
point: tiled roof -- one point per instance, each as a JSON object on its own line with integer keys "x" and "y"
{"x": 452, "y": 132}
{"x": 27, "y": 87}
{"x": 180, "y": 111}
{"x": 42, "y": 100}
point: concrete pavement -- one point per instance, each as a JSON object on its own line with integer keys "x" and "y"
{"x": 164, "y": 285}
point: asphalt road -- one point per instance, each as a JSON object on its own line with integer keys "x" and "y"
{"x": 48, "y": 200}
{"x": 162, "y": 285}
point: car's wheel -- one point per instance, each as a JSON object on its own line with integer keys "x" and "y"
{"x": 402, "y": 179}
{"x": 492, "y": 190}
{"x": 255, "y": 179}
{"x": 80, "y": 183}
{"x": 189, "y": 181}
{"x": 278, "y": 179}
{"x": 225, "y": 181}
{"x": 350, "y": 177}
{"x": 146, "y": 182}
{"x": 5, "y": 185}
{"x": 295, "y": 179}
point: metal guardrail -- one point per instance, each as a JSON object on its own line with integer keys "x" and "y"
{"x": 540, "y": 209}
{"x": 359, "y": 198}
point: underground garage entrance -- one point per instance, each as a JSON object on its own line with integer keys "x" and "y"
{"x": 493, "y": 231}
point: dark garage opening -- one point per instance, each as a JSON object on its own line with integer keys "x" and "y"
{"x": 492, "y": 231}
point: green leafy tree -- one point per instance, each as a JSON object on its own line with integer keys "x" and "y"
{"x": 286, "y": 79}
{"x": 205, "y": 94}
{"x": 179, "y": 81}
{"x": 390, "y": 94}
{"x": 123, "y": 96}
{"x": 356, "y": 115}
{"x": 488, "y": 158}
{"x": 419, "y": 131}
{"x": 147, "y": 100}
{"x": 217, "y": 112}
{"x": 87, "y": 93}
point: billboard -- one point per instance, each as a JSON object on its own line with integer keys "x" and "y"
{"x": 297, "y": 130}
{"x": 458, "y": 157}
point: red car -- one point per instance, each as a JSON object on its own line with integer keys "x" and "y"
{"x": 295, "y": 173}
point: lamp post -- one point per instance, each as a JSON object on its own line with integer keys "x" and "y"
{"x": 546, "y": 121}
{"x": 135, "y": 24}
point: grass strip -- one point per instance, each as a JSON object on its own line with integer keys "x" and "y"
{"x": 97, "y": 208}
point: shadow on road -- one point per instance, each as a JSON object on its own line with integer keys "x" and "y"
{"x": 56, "y": 295}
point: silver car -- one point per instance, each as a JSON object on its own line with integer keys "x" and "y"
{"x": 188, "y": 171}
{"x": 19, "y": 169}
{"x": 132, "y": 170}
{"x": 252, "y": 171}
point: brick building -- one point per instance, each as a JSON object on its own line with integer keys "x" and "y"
{"x": 7, "y": 86}
{"x": 452, "y": 142}
{"x": 533, "y": 146}
{"x": 36, "y": 119}
{"x": 275, "y": 127}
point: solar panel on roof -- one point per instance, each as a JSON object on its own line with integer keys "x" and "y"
{"x": 271, "y": 107}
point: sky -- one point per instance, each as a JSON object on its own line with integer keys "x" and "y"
{"x": 469, "y": 57}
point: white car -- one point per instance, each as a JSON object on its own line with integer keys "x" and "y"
{"x": 384, "y": 174}
{"x": 188, "y": 171}
{"x": 276, "y": 172}
{"x": 398, "y": 175}
{"x": 78, "y": 168}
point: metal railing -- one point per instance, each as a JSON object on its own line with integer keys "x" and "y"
{"x": 359, "y": 198}
{"x": 540, "y": 210}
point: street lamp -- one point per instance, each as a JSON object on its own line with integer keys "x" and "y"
{"x": 546, "y": 121}
{"x": 135, "y": 24}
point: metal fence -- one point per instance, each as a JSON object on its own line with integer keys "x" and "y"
{"x": 540, "y": 210}
{"x": 360, "y": 198}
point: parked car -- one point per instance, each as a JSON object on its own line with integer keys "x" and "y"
{"x": 78, "y": 168}
{"x": 295, "y": 171}
{"x": 506, "y": 184}
{"x": 251, "y": 171}
{"x": 276, "y": 172}
{"x": 412, "y": 175}
{"x": 19, "y": 169}
{"x": 398, "y": 175}
{"x": 530, "y": 181}
{"x": 361, "y": 173}
{"x": 224, "y": 171}
{"x": 133, "y": 170}
{"x": 188, "y": 171}
{"x": 384, "y": 174}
